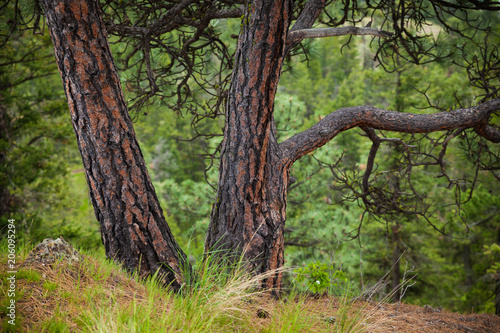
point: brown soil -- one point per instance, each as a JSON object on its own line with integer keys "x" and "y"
{"x": 411, "y": 318}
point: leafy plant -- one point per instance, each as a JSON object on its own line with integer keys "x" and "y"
{"x": 317, "y": 276}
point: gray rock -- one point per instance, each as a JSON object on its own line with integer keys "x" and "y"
{"x": 49, "y": 251}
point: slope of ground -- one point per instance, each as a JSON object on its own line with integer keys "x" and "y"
{"x": 95, "y": 295}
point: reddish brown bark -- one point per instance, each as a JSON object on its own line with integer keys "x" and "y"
{"x": 133, "y": 228}
{"x": 249, "y": 214}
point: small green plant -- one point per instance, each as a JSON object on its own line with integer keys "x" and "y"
{"x": 50, "y": 286}
{"x": 318, "y": 278}
{"x": 29, "y": 274}
{"x": 350, "y": 317}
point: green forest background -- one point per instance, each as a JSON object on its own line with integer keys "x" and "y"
{"x": 43, "y": 187}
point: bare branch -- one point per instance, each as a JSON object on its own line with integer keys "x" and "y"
{"x": 486, "y": 219}
{"x": 369, "y": 116}
{"x": 489, "y": 133}
{"x": 471, "y": 5}
{"x": 371, "y": 158}
{"x": 299, "y": 35}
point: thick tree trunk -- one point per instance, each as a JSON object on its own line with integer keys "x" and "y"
{"x": 133, "y": 228}
{"x": 249, "y": 214}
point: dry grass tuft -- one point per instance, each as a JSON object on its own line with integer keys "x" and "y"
{"x": 64, "y": 292}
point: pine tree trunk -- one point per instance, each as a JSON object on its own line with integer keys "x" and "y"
{"x": 133, "y": 228}
{"x": 249, "y": 214}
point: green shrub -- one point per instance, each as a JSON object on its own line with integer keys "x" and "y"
{"x": 318, "y": 278}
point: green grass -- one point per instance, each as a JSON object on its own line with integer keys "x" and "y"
{"x": 97, "y": 296}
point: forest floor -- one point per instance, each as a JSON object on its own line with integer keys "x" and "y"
{"x": 412, "y": 318}
{"x": 90, "y": 297}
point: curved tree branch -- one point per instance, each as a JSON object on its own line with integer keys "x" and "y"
{"x": 371, "y": 157}
{"x": 369, "y": 116}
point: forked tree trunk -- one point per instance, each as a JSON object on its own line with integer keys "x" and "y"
{"x": 249, "y": 214}
{"x": 133, "y": 228}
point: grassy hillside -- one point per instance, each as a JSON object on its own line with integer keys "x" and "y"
{"x": 95, "y": 295}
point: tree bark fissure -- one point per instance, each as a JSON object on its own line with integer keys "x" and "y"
{"x": 133, "y": 228}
